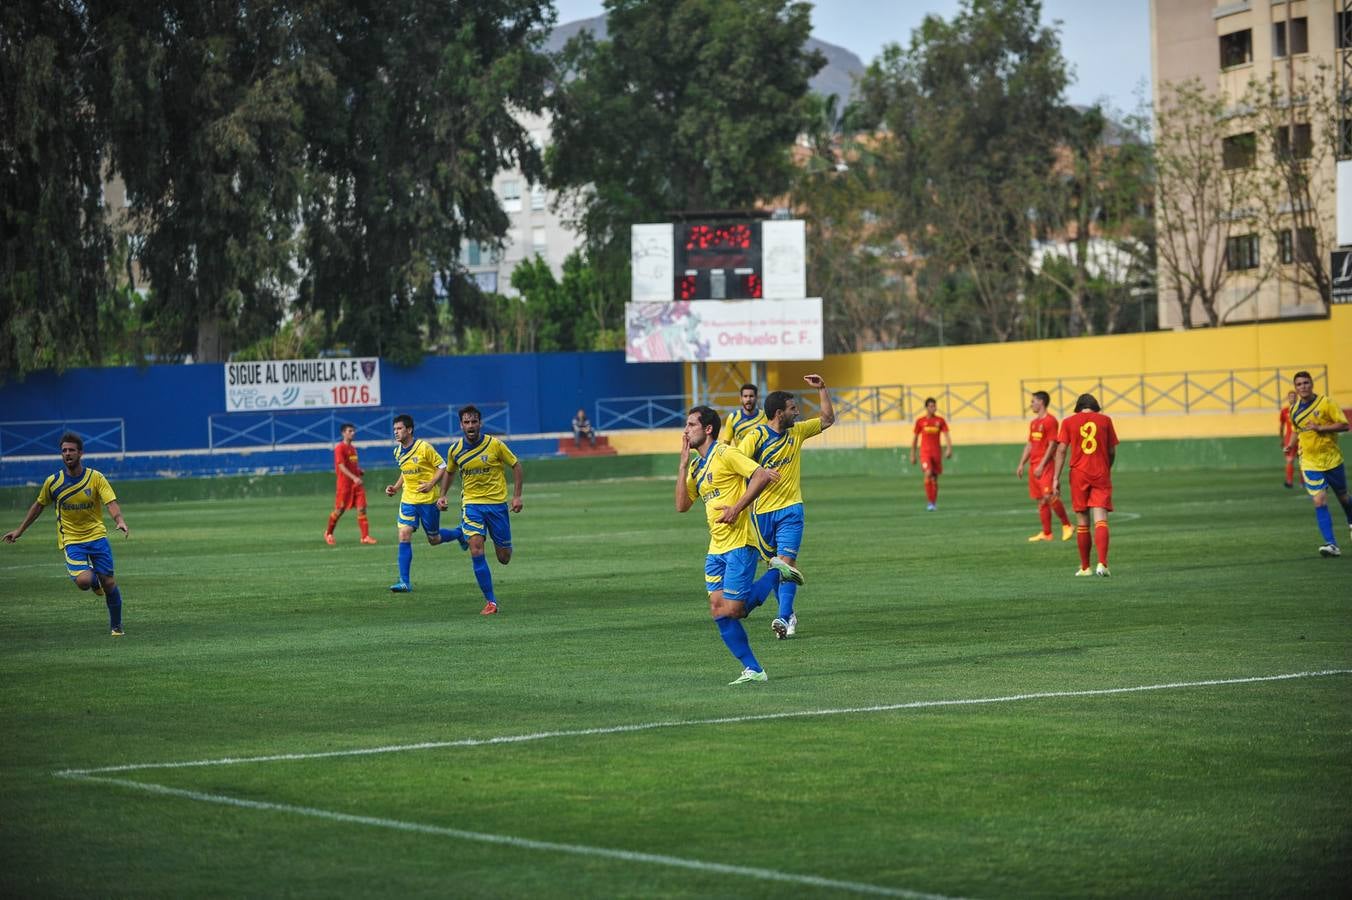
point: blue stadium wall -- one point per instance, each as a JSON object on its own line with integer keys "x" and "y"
{"x": 167, "y": 408}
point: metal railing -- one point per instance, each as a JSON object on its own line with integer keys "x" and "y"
{"x": 1202, "y": 391}
{"x": 237, "y": 431}
{"x": 42, "y": 437}
{"x": 662, "y": 411}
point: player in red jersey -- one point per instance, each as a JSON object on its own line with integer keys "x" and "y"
{"x": 351, "y": 492}
{"x": 1092, "y": 443}
{"x": 927, "y": 430}
{"x": 1042, "y": 438}
{"x": 1287, "y": 437}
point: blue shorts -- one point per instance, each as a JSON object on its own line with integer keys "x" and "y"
{"x": 731, "y": 572}
{"x": 420, "y": 515}
{"x": 489, "y": 520}
{"x": 780, "y": 532}
{"x": 1334, "y": 479}
{"x": 96, "y": 556}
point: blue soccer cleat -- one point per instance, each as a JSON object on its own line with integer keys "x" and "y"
{"x": 401, "y": 587}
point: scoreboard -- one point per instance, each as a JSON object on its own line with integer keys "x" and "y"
{"x": 718, "y": 260}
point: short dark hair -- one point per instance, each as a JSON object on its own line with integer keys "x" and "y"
{"x": 1303, "y": 374}
{"x": 406, "y": 419}
{"x": 776, "y": 401}
{"x": 749, "y": 387}
{"x": 71, "y": 437}
{"x": 707, "y": 416}
{"x": 345, "y": 426}
{"x": 1045, "y": 397}
{"x": 929, "y": 400}
{"x": 1087, "y": 401}
{"x": 467, "y": 410}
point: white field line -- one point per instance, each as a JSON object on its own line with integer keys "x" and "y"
{"x": 689, "y": 723}
{"x": 523, "y": 843}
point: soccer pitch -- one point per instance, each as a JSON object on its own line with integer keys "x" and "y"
{"x": 957, "y": 716}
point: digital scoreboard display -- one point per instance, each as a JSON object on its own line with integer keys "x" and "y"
{"x": 718, "y": 261}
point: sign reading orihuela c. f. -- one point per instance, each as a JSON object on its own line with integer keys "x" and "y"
{"x": 281, "y": 384}
{"x": 723, "y": 330}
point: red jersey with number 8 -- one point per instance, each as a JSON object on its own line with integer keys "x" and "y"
{"x": 1089, "y": 435}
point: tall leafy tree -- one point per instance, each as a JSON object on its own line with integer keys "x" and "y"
{"x": 689, "y": 105}
{"x": 973, "y": 113}
{"x": 55, "y": 245}
{"x": 407, "y": 127}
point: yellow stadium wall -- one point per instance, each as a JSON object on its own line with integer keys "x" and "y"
{"x": 1267, "y": 345}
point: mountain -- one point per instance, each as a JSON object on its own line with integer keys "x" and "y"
{"x": 836, "y": 77}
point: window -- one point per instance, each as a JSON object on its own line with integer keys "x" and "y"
{"x": 1300, "y": 37}
{"x": 511, "y": 196}
{"x": 1300, "y": 240}
{"x": 1241, "y": 252}
{"x": 1237, "y": 48}
{"x": 539, "y": 242}
{"x": 472, "y": 255}
{"x": 537, "y": 197}
{"x": 486, "y": 281}
{"x": 514, "y": 248}
{"x": 1295, "y": 141}
{"x": 1239, "y": 151}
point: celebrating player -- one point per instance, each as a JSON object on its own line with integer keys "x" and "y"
{"x": 1286, "y": 435}
{"x": 1093, "y": 449}
{"x": 778, "y": 511}
{"x": 927, "y": 430}
{"x": 718, "y": 474}
{"x": 483, "y": 494}
{"x": 1041, "y": 438}
{"x": 351, "y": 493}
{"x": 419, "y": 467}
{"x": 1317, "y": 422}
{"x": 744, "y": 418}
{"x": 80, "y": 494}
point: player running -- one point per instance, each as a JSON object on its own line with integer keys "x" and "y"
{"x": 419, "y": 466}
{"x": 1317, "y": 422}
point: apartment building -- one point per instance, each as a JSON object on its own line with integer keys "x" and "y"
{"x": 1226, "y": 45}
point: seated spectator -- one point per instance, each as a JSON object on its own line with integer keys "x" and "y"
{"x": 583, "y": 428}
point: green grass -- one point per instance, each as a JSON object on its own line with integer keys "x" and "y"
{"x": 247, "y": 636}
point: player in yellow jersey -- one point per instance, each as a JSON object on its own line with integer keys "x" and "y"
{"x": 728, "y": 482}
{"x": 419, "y": 465}
{"x": 482, "y": 460}
{"x": 1317, "y": 421}
{"x": 778, "y": 513}
{"x": 743, "y": 418}
{"x": 80, "y": 494}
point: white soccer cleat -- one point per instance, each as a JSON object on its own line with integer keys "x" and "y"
{"x": 1330, "y": 550}
{"x": 780, "y": 628}
{"x": 750, "y": 675}
{"x": 1085, "y": 571}
{"x": 1101, "y": 570}
{"x": 793, "y": 625}
{"x": 786, "y": 570}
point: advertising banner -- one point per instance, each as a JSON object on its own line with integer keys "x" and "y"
{"x": 723, "y": 330}
{"x": 301, "y": 384}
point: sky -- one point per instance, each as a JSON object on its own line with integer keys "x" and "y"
{"x": 1106, "y": 42}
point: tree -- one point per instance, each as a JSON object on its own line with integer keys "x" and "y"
{"x": 407, "y": 127}
{"x": 56, "y": 249}
{"x": 690, "y": 105}
{"x": 1205, "y": 179}
{"x": 972, "y": 114}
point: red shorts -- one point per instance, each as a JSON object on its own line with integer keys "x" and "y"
{"x": 350, "y": 495}
{"x": 932, "y": 465}
{"x": 1089, "y": 492}
{"x": 1040, "y": 487}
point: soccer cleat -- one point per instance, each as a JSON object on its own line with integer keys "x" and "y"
{"x": 328, "y": 538}
{"x": 401, "y": 587}
{"x": 490, "y": 609}
{"x": 930, "y": 507}
{"x": 780, "y": 628}
{"x": 366, "y": 540}
{"x": 1287, "y": 484}
{"x": 793, "y": 624}
{"x": 1330, "y": 550}
{"x": 750, "y": 675}
{"x": 1067, "y": 532}
{"x": 1083, "y": 572}
{"x": 1101, "y": 570}
{"x": 1040, "y": 537}
{"x": 116, "y": 631}
{"x": 785, "y": 570}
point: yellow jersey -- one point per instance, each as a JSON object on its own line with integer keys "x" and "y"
{"x": 418, "y": 464}
{"x": 482, "y": 479}
{"x": 738, "y": 423}
{"x": 79, "y": 505}
{"x": 780, "y": 452}
{"x": 1318, "y": 450}
{"x": 719, "y": 479}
